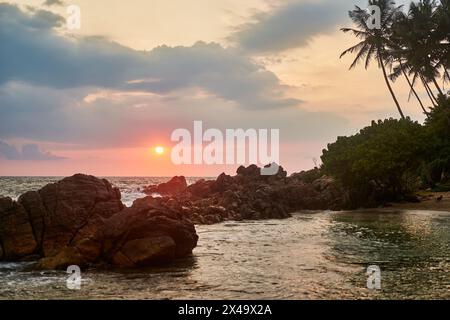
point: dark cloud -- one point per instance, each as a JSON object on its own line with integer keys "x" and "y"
{"x": 291, "y": 25}
{"x": 34, "y": 53}
{"x": 50, "y": 3}
{"x": 45, "y": 79}
{"x": 28, "y": 152}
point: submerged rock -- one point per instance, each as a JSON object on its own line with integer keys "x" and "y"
{"x": 81, "y": 220}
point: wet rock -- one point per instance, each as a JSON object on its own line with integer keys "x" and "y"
{"x": 16, "y": 233}
{"x": 81, "y": 220}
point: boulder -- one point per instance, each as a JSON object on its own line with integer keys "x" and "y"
{"x": 81, "y": 220}
{"x": 17, "y": 239}
{"x": 174, "y": 186}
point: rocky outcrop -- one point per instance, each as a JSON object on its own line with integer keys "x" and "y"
{"x": 81, "y": 220}
{"x": 250, "y": 195}
{"x": 174, "y": 186}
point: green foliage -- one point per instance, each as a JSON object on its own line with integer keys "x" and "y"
{"x": 413, "y": 42}
{"x": 386, "y": 160}
{"x": 437, "y": 130}
{"x": 380, "y": 162}
{"x": 391, "y": 158}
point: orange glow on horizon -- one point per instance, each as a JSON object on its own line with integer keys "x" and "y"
{"x": 159, "y": 150}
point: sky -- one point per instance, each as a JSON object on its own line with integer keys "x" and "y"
{"x": 99, "y": 99}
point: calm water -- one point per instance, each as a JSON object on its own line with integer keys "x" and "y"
{"x": 321, "y": 255}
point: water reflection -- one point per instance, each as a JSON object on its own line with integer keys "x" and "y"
{"x": 309, "y": 256}
{"x": 411, "y": 248}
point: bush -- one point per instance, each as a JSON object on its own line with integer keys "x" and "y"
{"x": 380, "y": 163}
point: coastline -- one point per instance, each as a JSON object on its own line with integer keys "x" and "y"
{"x": 428, "y": 201}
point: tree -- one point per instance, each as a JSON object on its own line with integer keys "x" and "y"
{"x": 380, "y": 163}
{"x": 374, "y": 41}
{"x": 437, "y": 130}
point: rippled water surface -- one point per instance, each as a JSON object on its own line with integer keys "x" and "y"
{"x": 313, "y": 255}
{"x": 130, "y": 187}
{"x": 309, "y": 256}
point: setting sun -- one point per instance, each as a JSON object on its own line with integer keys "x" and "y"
{"x": 159, "y": 150}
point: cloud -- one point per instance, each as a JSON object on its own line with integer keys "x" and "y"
{"x": 34, "y": 53}
{"x": 98, "y": 118}
{"x": 94, "y": 93}
{"x": 28, "y": 152}
{"x": 50, "y": 3}
{"x": 291, "y": 25}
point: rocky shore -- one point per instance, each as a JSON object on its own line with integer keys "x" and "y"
{"x": 248, "y": 195}
{"x": 81, "y": 220}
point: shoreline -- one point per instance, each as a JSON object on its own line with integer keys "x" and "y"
{"x": 428, "y": 201}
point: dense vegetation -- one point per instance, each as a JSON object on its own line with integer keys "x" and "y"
{"x": 392, "y": 158}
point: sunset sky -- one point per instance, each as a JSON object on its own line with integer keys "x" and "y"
{"x": 99, "y": 100}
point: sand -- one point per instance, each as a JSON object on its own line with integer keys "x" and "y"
{"x": 428, "y": 201}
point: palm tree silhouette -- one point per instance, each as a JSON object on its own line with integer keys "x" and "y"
{"x": 374, "y": 41}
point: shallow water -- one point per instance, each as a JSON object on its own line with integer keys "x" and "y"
{"x": 320, "y": 255}
{"x": 130, "y": 187}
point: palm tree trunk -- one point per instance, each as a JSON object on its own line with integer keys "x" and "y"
{"x": 429, "y": 96}
{"x": 413, "y": 90}
{"x": 437, "y": 86}
{"x": 390, "y": 88}
{"x": 429, "y": 91}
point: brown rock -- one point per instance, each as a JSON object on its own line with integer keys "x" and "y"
{"x": 174, "y": 186}
{"x": 16, "y": 233}
{"x": 81, "y": 220}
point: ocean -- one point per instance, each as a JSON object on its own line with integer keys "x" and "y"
{"x": 313, "y": 255}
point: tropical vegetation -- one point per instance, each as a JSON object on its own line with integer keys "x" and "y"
{"x": 392, "y": 158}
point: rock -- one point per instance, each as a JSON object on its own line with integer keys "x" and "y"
{"x": 147, "y": 233}
{"x": 202, "y": 188}
{"x": 249, "y": 195}
{"x": 167, "y": 233}
{"x": 70, "y": 210}
{"x": 81, "y": 220}
{"x": 223, "y": 183}
{"x": 174, "y": 186}
{"x": 250, "y": 171}
{"x": 16, "y": 233}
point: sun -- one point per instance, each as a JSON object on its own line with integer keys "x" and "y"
{"x": 159, "y": 150}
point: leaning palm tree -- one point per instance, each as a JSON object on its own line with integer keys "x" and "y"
{"x": 402, "y": 68}
{"x": 400, "y": 30}
{"x": 425, "y": 49}
{"x": 442, "y": 15}
{"x": 374, "y": 41}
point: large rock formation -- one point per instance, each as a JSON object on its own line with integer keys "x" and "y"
{"x": 250, "y": 195}
{"x": 81, "y": 220}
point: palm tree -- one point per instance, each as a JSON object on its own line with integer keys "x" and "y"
{"x": 422, "y": 44}
{"x": 402, "y": 68}
{"x": 399, "y": 35}
{"x": 443, "y": 31}
{"x": 374, "y": 41}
